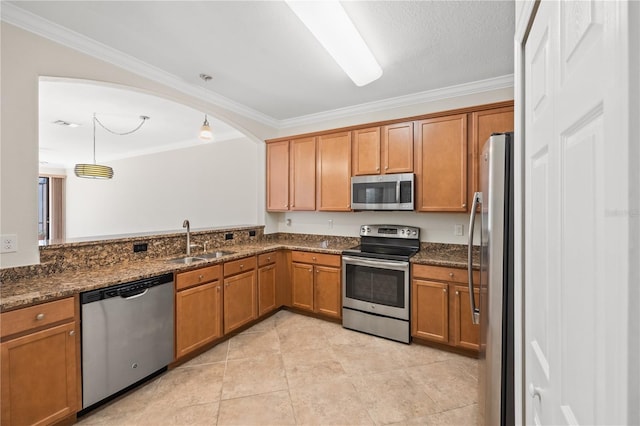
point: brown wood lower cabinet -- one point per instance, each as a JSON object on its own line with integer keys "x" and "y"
{"x": 316, "y": 283}
{"x": 40, "y": 366}
{"x": 430, "y": 310}
{"x": 198, "y": 308}
{"x": 240, "y": 293}
{"x": 267, "y": 278}
{"x": 440, "y": 307}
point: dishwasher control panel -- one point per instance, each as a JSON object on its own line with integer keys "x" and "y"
{"x": 124, "y": 290}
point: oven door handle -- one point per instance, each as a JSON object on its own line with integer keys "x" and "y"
{"x": 359, "y": 261}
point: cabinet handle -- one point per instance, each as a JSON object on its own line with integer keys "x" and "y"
{"x": 386, "y": 167}
{"x": 200, "y": 277}
{"x": 317, "y": 271}
{"x": 218, "y": 289}
{"x": 310, "y": 270}
{"x": 457, "y": 293}
{"x": 313, "y": 258}
{"x": 464, "y": 205}
{"x": 269, "y": 259}
{"x": 451, "y": 274}
{"x": 241, "y": 266}
{"x": 226, "y": 284}
{"x": 444, "y": 289}
{"x": 286, "y": 206}
{"x": 72, "y": 332}
{"x": 377, "y": 169}
{"x": 39, "y": 317}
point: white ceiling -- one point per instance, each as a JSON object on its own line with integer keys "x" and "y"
{"x": 264, "y": 62}
{"x": 171, "y": 125}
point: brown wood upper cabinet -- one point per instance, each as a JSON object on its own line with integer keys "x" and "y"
{"x": 441, "y": 164}
{"x": 334, "y": 172}
{"x": 483, "y": 124}
{"x": 291, "y": 175}
{"x": 381, "y": 150}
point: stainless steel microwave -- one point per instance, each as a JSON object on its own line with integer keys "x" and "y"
{"x": 383, "y": 192}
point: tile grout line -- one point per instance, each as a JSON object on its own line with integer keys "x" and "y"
{"x": 226, "y": 360}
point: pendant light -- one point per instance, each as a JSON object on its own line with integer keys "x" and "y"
{"x": 99, "y": 171}
{"x": 206, "y": 134}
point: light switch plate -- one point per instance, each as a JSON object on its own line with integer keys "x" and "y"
{"x": 458, "y": 230}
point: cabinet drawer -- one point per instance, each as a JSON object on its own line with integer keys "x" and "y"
{"x": 444, "y": 274}
{"x": 241, "y": 265}
{"x": 197, "y": 276}
{"x": 267, "y": 258}
{"x": 37, "y": 316}
{"x": 316, "y": 258}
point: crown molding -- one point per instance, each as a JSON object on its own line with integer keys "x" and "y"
{"x": 28, "y": 21}
{"x": 33, "y": 23}
{"x": 502, "y": 82}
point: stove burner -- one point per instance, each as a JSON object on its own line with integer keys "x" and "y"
{"x": 392, "y": 242}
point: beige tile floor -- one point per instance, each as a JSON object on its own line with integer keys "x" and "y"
{"x": 291, "y": 369}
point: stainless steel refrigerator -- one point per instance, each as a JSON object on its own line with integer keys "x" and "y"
{"x": 493, "y": 310}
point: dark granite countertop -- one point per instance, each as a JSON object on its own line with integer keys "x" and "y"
{"x": 38, "y": 289}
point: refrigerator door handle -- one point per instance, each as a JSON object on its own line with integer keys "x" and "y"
{"x": 475, "y": 312}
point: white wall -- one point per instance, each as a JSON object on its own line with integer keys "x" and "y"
{"x": 26, "y": 57}
{"x": 215, "y": 184}
{"x": 434, "y": 227}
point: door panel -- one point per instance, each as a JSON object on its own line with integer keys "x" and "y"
{"x": 576, "y": 339}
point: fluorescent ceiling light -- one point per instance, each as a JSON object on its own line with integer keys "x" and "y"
{"x": 329, "y": 23}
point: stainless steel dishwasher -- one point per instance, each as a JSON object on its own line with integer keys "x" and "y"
{"x": 127, "y": 335}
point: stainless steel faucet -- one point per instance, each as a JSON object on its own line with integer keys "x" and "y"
{"x": 186, "y": 224}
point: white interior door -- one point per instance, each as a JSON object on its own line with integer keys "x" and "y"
{"x": 576, "y": 213}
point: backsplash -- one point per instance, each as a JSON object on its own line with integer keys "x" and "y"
{"x": 92, "y": 254}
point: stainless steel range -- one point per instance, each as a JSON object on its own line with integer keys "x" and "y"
{"x": 375, "y": 281}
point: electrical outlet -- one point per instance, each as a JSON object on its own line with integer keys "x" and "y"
{"x": 252, "y": 233}
{"x": 458, "y": 230}
{"x": 330, "y": 223}
{"x": 9, "y": 243}
{"x": 140, "y": 247}
{"x": 228, "y": 236}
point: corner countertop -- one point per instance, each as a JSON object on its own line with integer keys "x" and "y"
{"x": 39, "y": 289}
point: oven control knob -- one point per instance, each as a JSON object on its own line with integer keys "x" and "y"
{"x": 414, "y": 232}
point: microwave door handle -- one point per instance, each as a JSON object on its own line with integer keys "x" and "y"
{"x": 398, "y": 192}
{"x": 475, "y": 312}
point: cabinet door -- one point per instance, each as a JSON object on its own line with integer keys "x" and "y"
{"x": 466, "y": 333}
{"x": 397, "y": 148}
{"x": 266, "y": 289}
{"x": 302, "y": 286}
{"x": 430, "y": 310}
{"x": 303, "y": 174}
{"x": 441, "y": 164}
{"x": 278, "y": 176}
{"x": 240, "y": 301}
{"x": 483, "y": 124}
{"x": 366, "y": 151}
{"x": 328, "y": 300}
{"x": 198, "y": 317}
{"x": 334, "y": 172}
{"x": 39, "y": 376}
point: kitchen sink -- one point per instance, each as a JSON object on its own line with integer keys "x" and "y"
{"x": 215, "y": 254}
{"x": 186, "y": 260}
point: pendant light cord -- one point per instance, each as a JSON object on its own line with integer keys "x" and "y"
{"x": 143, "y": 117}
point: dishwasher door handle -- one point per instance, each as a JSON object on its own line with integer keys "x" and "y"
{"x": 135, "y": 295}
